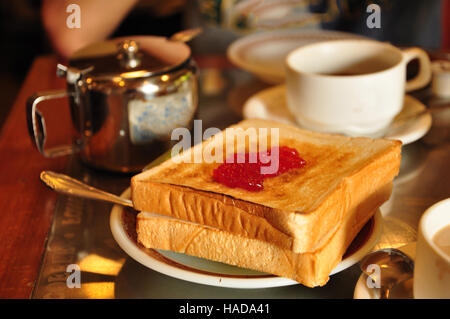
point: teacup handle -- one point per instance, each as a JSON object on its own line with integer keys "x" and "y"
{"x": 36, "y": 124}
{"x": 424, "y": 76}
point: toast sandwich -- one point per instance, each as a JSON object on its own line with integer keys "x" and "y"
{"x": 310, "y": 269}
{"x": 299, "y": 211}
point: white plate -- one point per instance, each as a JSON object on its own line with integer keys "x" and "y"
{"x": 212, "y": 273}
{"x": 270, "y": 104}
{"x": 263, "y": 53}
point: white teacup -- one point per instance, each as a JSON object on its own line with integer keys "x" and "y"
{"x": 353, "y": 87}
{"x": 432, "y": 265}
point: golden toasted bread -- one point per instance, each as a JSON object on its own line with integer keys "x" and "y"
{"x": 299, "y": 210}
{"x": 309, "y": 269}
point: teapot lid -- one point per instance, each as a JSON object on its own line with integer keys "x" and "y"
{"x": 131, "y": 57}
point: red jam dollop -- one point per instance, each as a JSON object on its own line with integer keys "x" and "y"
{"x": 246, "y": 173}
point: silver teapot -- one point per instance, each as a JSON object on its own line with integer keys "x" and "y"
{"x": 126, "y": 95}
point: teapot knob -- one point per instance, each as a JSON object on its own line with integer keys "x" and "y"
{"x": 129, "y": 53}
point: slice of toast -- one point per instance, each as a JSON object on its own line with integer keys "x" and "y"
{"x": 310, "y": 269}
{"x": 299, "y": 210}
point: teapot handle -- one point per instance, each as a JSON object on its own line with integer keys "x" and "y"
{"x": 36, "y": 124}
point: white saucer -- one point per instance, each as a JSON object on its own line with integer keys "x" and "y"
{"x": 271, "y": 104}
{"x": 212, "y": 273}
{"x": 363, "y": 292}
{"x": 263, "y": 53}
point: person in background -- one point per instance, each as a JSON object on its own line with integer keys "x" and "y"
{"x": 403, "y": 22}
{"x": 101, "y": 19}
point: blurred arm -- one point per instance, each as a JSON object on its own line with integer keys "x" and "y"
{"x": 99, "y": 18}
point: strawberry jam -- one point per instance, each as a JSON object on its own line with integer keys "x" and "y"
{"x": 245, "y": 170}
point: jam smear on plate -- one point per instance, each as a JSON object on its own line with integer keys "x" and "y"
{"x": 244, "y": 170}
